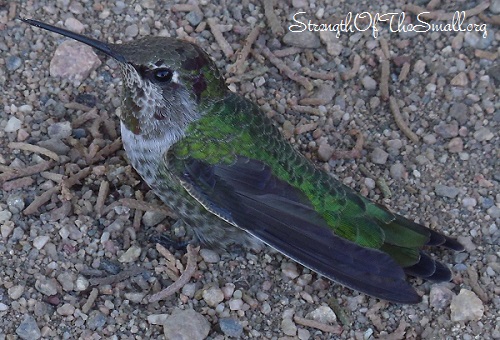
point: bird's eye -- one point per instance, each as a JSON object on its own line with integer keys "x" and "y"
{"x": 163, "y": 74}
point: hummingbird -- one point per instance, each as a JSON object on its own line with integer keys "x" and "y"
{"x": 217, "y": 160}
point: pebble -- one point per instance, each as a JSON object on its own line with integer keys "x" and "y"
{"x": 455, "y": 145}
{"x": 304, "y": 39}
{"x": 323, "y": 314}
{"x": 235, "y": 304}
{"x": 189, "y": 289}
{"x": 67, "y": 280}
{"x": 466, "y": 306}
{"x": 13, "y": 62}
{"x": 419, "y": 66}
{"x": 194, "y": 18}
{"x": 157, "y": 319}
{"x": 96, "y": 320}
{"x": 209, "y": 256}
{"x": 186, "y": 325}
{"x": 495, "y": 7}
{"x": 66, "y": 309}
{"x": 325, "y": 152}
{"x": 299, "y": 3}
{"x": 59, "y": 130}
{"x": 228, "y": 290}
{"x": 81, "y": 284}
{"x": 379, "y": 156}
{"x": 460, "y": 112}
{"x": 13, "y": 124}
{"x": 494, "y": 212}
{"x": 469, "y": 202}
{"x": 76, "y": 7}
{"x": 15, "y": 203}
{"x": 333, "y": 45}
{"x": 466, "y": 241}
{"x": 73, "y": 60}
{"x": 369, "y": 83}
{"x": 231, "y": 327}
{"x": 440, "y": 296}
{"x": 152, "y": 218}
{"x": 430, "y": 139}
{"x": 46, "y": 286}
{"x": 135, "y": 297}
{"x": 40, "y": 241}
{"x": 483, "y": 134}
{"x": 288, "y": 327}
{"x": 370, "y": 183}
{"x": 289, "y": 269}
{"x": 397, "y": 171}
{"x": 74, "y": 25}
{"x": 132, "y": 31}
{"x": 459, "y": 80}
{"x": 446, "y": 130}
{"x": 15, "y": 292}
{"x": 131, "y": 255}
{"x": 28, "y": 329}
{"x": 446, "y": 191}
{"x": 213, "y": 296}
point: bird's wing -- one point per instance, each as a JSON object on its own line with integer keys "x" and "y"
{"x": 246, "y": 194}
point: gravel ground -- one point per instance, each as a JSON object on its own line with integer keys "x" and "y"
{"x": 79, "y": 265}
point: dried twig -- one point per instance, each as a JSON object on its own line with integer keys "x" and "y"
{"x": 78, "y": 106}
{"x": 272, "y": 18}
{"x": 287, "y": 71}
{"x": 356, "y": 151}
{"x": 306, "y": 109}
{"x": 318, "y": 325}
{"x": 442, "y": 15}
{"x": 192, "y": 254}
{"x": 18, "y": 183}
{"x": 123, "y": 275}
{"x": 384, "y": 79}
{"x": 224, "y": 45}
{"x": 90, "y": 301}
{"x": 238, "y": 66}
{"x": 474, "y": 284}
{"x": 248, "y": 75}
{"x": 317, "y": 75}
{"x": 34, "y": 148}
{"x": 101, "y": 196}
{"x": 494, "y": 19}
{"x": 41, "y": 200}
{"x": 356, "y": 64}
{"x": 28, "y": 171}
{"x": 285, "y": 52}
{"x": 106, "y": 151}
{"x": 171, "y": 270}
{"x": 400, "y": 121}
{"x": 405, "y": 69}
{"x": 92, "y": 114}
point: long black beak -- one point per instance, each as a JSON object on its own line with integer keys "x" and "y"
{"x": 99, "y": 45}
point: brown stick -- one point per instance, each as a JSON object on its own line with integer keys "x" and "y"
{"x": 318, "y": 325}
{"x": 400, "y": 122}
{"x": 237, "y": 67}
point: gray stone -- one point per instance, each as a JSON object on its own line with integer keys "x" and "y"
{"x": 67, "y": 280}
{"x": 59, "y": 130}
{"x": 323, "y": 314}
{"x": 96, "y": 320}
{"x": 46, "y": 286}
{"x": 446, "y": 191}
{"x": 213, "y": 296}
{"x": 288, "y": 327}
{"x": 152, "y": 218}
{"x": 447, "y": 130}
{"x": 495, "y": 7}
{"x": 440, "y": 296}
{"x": 28, "y": 329}
{"x": 231, "y": 327}
{"x": 397, "y": 171}
{"x": 369, "y": 83}
{"x": 304, "y": 39}
{"x": 325, "y": 152}
{"x": 73, "y": 60}
{"x": 494, "y": 212}
{"x": 209, "y": 256}
{"x": 460, "y": 112}
{"x": 379, "y": 156}
{"x": 13, "y": 62}
{"x": 466, "y": 306}
{"x": 483, "y": 134}
{"x": 186, "y": 325}
{"x": 194, "y": 17}
{"x": 130, "y": 255}
{"x": 13, "y": 124}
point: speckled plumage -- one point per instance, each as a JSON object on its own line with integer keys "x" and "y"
{"x": 217, "y": 160}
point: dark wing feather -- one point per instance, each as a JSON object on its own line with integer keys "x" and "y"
{"x": 247, "y": 195}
